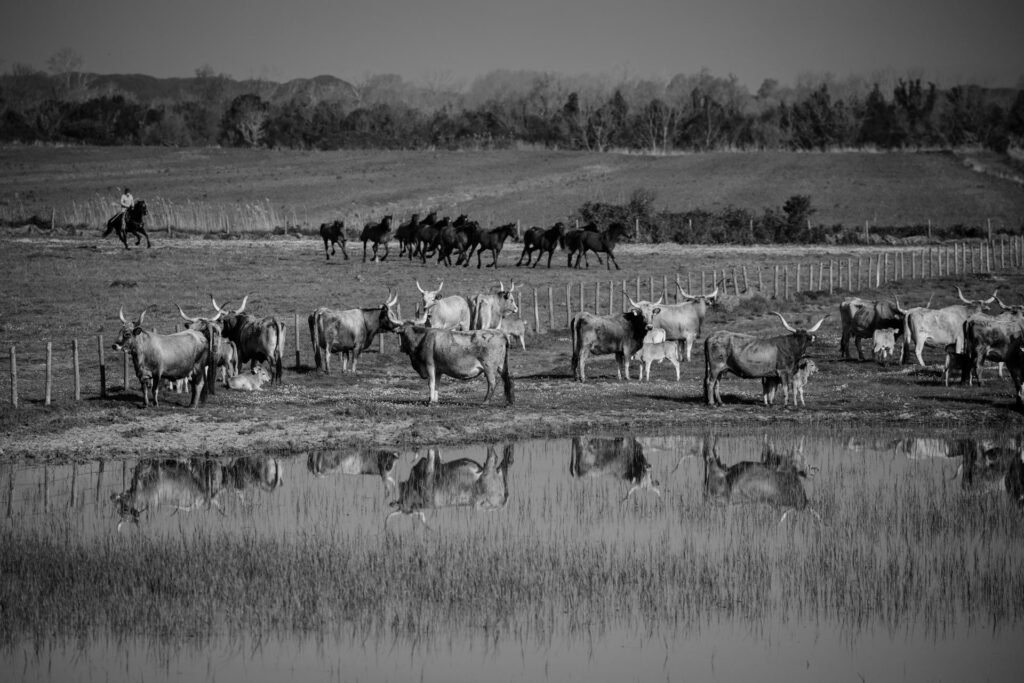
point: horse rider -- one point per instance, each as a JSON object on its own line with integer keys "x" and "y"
{"x": 127, "y": 202}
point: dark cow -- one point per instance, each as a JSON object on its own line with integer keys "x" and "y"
{"x": 487, "y": 310}
{"x": 462, "y": 355}
{"x": 406, "y": 236}
{"x": 378, "y": 463}
{"x": 378, "y": 233}
{"x": 923, "y": 326}
{"x": 601, "y": 243}
{"x": 989, "y": 337}
{"x": 134, "y": 223}
{"x": 776, "y": 480}
{"x": 348, "y": 332}
{"x": 619, "y": 458}
{"x": 621, "y": 335}
{"x": 572, "y": 243}
{"x": 257, "y": 339}
{"x": 541, "y": 241}
{"x": 156, "y": 357}
{"x": 333, "y": 234}
{"x": 433, "y": 484}
{"x": 448, "y": 312}
{"x": 753, "y": 357}
{"x": 489, "y": 240}
{"x": 860, "y": 319}
{"x": 181, "y": 485}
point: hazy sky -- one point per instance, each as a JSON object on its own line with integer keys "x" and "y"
{"x": 455, "y": 40}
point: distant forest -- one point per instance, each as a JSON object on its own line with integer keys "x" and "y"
{"x": 697, "y": 112}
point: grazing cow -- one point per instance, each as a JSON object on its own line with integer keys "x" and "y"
{"x": 861, "y": 318}
{"x": 487, "y": 310}
{"x": 775, "y": 480}
{"x": 257, "y": 339}
{"x": 333, "y": 234}
{"x": 514, "y": 328}
{"x": 601, "y": 242}
{"x": 883, "y": 344}
{"x": 378, "y": 463}
{"x": 433, "y": 484}
{"x": 988, "y": 337}
{"x": 176, "y": 484}
{"x": 541, "y": 241}
{"x": 619, "y": 458}
{"x": 156, "y": 357}
{"x": 682, "y": 322}
{"x": 462, "y": 355}
{"x": 652, "y": 352}
{"x": 489, "y": 240}
{"x": 621, "y": 335}
{"x": 449, "y": 312}
{"x": 805, "y": 367}
{"x": 348, "y": 332}
{"x": 572, "y": 242}
{"x": 406, "y": 236}
{"x": 251, "y": 381}
{"x": 378, "y": 233}
{"x": 922, "y": 326}
{"x": 956, "y": 362}
{"x": 753, "y": 357}
{"x": 134, "y": 223}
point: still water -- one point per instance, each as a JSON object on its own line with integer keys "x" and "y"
{"x": 633, "y": 490}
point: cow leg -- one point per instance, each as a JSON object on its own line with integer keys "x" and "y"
{"x": 582, "y": 365}
{"x": 860, "y": 351}
{"x": 676, "y": 364}
{"x": 917, "y": 352}
{"x": 491, "y": 379}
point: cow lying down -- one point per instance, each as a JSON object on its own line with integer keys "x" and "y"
{"x": 253, "y": 381}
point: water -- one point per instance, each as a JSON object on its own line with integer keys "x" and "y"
{"x": 929, "y": 628}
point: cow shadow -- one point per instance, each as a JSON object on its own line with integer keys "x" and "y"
{"x": 967, "y": 400}
{"x": 682, "y": 399}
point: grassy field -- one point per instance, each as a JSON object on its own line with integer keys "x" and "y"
{"x": 278, "y": 188}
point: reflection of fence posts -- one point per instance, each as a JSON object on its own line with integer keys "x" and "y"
{"x": 78, "y": 375}
{"x": 14, "y": 377}
{"x": 49, "y": 374}
{"x": 536, "y": 313}
{"x": 103, "y": 368}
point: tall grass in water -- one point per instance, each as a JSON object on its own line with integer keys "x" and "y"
{"x": 566, "y": 560}
{"x": 189, "y": 216}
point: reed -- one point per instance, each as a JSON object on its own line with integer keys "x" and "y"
{"x": 260, "y": 216}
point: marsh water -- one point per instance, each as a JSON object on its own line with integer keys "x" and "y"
{"x": 932, "y": 592}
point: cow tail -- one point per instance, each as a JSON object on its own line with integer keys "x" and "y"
{"x": 314, "y": 334}
{"x": 211, "y": 366}
{"x": 506, "y": 377}
{"x": 573, "y": 334}
{"x": 278, "y": 350}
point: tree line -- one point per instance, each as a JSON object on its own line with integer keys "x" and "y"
{"x": 698, "y": 112}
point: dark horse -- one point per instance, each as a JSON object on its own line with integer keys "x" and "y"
{"x": 541, "y": 240}
{"x": 377, "y": 233}
{"x": 333, "y": 234}
{"x": 598, "y": 242}
{"x": 489, "y": 240}
{"x": 135, "y": 223}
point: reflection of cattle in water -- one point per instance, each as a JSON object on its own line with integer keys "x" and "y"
{"x": 922, "y": 448}
{"x": 775, "y": 480}
{"x": 378, "y": 463}
{"x": 620, "y": 458}
{"x": 985, "y": 470}
{"x": 433, "y": 484}
{"x": 178, "y": 484}
{"x": 252, "y": 472}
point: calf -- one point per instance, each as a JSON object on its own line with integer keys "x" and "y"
{"x": 514, "y": 328}
{"x": 250, "y": 382}
{"x": 956, "y": 361}
{"x": 884, "y": 344}
{"x": 805, "y": 367}
{"x": 378, "y": 463}
{"x": 658, "y": 352}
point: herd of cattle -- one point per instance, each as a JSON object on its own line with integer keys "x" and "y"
{"x": 444, "y": 237}
{"x": 465, "y": 337}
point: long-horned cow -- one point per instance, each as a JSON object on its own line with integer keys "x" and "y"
{"x": 487, "y": 310}
{"x": 989, "y": 337}
{"x": 156, "y": 357}
{"x": 751, "y": 357}
{"x": 380, "y": 463}
{"x": 621, "y": 334}
{"x": 619, "y": 458}
{"x": 225, "y": 353}
{"x": 348, "y": 332}
{"x": 257, "y": 339}
{"x": 683, "y": 321}
{"x": 463, "y": 355}
{"x": 449, "y": 312}
{"x": 433, "y": 484}
{"x": 176, "y": 484}
{"x": 938, "y": 327}
{"x": 861, "y": 318}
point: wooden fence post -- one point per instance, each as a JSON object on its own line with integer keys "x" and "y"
{"x": 775, "y": 284}
{"x": 49, "y": 373}
{"x": 637, "y": 287}
{"x": 14, "y": 377}
{"x": 78, "y": 376}
{"x": 689, "y": 282}
{"x": 787, "y": 280}
{"x": 623, "y": 296}
{"x": 103, "y": 368}
{"x": 760, "y": 282}
{"x": 597, "y": 298}
{"x": 611, "y": 297}
{"x": 536, "y": 313}
{"x": 798, "y": 269}
{"x": 664, "y": 288}
{"x": 568, "y": 305}
{"x": 703, "y": 287}
{"x": 831, "y": 265}
{"x": 551, "y": 309}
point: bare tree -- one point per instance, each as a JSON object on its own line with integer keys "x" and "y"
{"x": 66, "y": 65}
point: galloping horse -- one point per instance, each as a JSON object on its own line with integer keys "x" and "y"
{"x": 134, "y": 222}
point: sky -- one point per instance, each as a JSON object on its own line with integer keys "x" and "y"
{"x": 449, "y": 42}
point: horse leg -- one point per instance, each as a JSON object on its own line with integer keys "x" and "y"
{"x": 386, "y": 251}
{"x": 611, "y": 259}
{"x": 364, "y": 251}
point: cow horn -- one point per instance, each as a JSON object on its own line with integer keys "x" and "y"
{"x": 966, "y": 301}
{"x": 815, "y": 328}
{"x": 897, "y": 300}
{"x": 142, "y": 316}
{"x": 631, "y": 302}
{"x": 501, "y": 286}
{"x": 185, "y": 317}
{"x": 120, "y": 314}
{"x": 242, "y": 307}
{"x": 513, "y": 287}
{"x": 215, "y": 304}
{"x": 713, "y": 294}
{"x": 422, "y": 291}
{"x": 930, "y": 297}
{"x": 993, "y": 297}
{"x": 439, "y": 287}
{"x": 683, "y": 291}
{"x": 784, "y": 323}
{"x": 659, "y": 300}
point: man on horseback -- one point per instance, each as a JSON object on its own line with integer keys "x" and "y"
{"x": 127, "y": 201}
{"x": 131, "y": 219}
